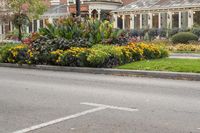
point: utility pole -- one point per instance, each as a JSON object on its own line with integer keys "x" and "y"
{"x": 78, "y": 10}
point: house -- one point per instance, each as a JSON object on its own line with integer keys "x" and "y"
{"x": 142, "y": 14}
{"x": 126, "y": 14}
{"x": 99, "y": 9}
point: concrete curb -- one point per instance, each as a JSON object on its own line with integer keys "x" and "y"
{"x": 120, "y": 72}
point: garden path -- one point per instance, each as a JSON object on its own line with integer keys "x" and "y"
{"x": 185, "y": 55}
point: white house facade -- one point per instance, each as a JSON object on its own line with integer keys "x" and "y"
{"x": 143, "y": 14}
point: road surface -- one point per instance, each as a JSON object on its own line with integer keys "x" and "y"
{"x": 37, "y": 101}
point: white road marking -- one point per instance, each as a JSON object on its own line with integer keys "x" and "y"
{"x": 198, "y": 128}
{"x": 59, "y": 120}
{"x": 99, "y": 108}
{"x": 110, "y": 107}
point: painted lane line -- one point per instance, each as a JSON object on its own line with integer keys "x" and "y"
{"x": 110, "y": 107}
{"x": 36, "y": 127}
{"x": 198, "y": 128}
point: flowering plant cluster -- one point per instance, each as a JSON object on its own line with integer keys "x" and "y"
{"x": 184, "y": 48}
{"x": 96, "y": 56}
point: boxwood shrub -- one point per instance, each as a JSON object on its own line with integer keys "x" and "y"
{"x": 184, "y": 37}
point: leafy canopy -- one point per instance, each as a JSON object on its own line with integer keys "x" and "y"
{"x": 32, "y": 8}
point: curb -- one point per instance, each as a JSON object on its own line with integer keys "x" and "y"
{"x": 107, "y": 71}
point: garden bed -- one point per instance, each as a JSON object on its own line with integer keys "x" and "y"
{"x": 106, "y": 56}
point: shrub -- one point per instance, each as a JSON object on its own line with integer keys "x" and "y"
{"x": 122, "y": 40}
{"x": 134, "y": 33}
{"x": 173, "y": 31}
{"x": 162, "y": 32}
{"x": 184, "y": 37}
{"x": 196, "y": 31}
{"x": 94, "y": 31}
{"x": 45, "y": 45}
{"x": 142, "y": 32}
{"x": 153, "y": 33}
{"x": 184, "y": 30}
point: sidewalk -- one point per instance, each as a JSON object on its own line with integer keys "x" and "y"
{"x": 185, "y": 56}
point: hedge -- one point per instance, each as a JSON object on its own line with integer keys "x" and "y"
{"x": 184, "y": 37}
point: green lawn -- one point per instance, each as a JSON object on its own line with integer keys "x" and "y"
{"x": 173, "y": 65}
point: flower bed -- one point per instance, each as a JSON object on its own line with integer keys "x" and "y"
{"x": 96, "y": 56}
{"x": 185, "y": 48}
{"x": 89, "y": 43}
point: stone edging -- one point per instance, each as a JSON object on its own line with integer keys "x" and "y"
{"x": 120, "y": 72}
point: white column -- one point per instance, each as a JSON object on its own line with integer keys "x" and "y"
{"x": 44, "y": 23}
{"x": 99, "y": 14}
{"x": 50, "y": 20}
{"x": 179, "y": 20}
{"x": 150, "y": 20}
{"x": 140, "y": 21}
{"x": 1, "y": 33}
{"x": 27, "y": 29}
{"x": 159, "y": 20}
{"x": 11, "y": 26}
{"x": 32, "y": 26}
{"x": 38, "y": 25}
{"x": 132, "y": 21}
{"x": 4, "y": 30}
{"x": 190, "y": 18}
{"x": 169, "y": 20}
{"x": 90, "y": 13}
{"x": 123, "y": 21}
{"x": 115, "y": 20}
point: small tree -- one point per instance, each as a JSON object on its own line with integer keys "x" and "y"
{"x": 24, "y": 10}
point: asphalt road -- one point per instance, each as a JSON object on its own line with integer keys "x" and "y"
{"x": 61, "y": 102}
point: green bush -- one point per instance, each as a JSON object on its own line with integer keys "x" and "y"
{"x": 91, "y": 31}
{"x": 184, "y": 37}
{"x": 196, "y": 31}
{"x": 153, "y": 33}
